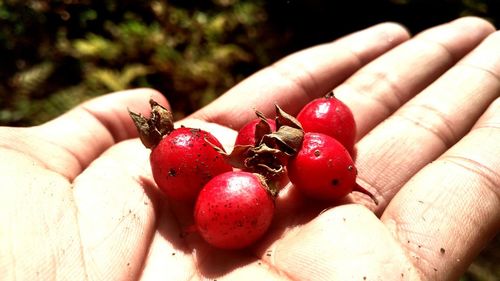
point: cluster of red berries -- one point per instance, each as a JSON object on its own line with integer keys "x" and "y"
{"x": 234, "y": 193}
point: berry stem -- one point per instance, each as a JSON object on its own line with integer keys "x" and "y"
{"x": 361, "y": 189}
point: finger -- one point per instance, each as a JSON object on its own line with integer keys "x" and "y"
{"x": 448, "y": 212}
{"x": 423, "y": 49}
{"x": 83, "y": 133}
{"x": 384, "y": 85}
{"x": 296, "y": 79}
{"x": 375, "y": 154}
{"x": 430, "y": 123}
{"x": 115, "y": 199}
{"x": 344, "y": 243}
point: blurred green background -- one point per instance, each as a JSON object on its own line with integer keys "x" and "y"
{"x": 56, "y": 54}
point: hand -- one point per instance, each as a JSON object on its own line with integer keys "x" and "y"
{"x": 77, "y": 200}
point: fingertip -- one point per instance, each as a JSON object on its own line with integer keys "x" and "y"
{"x": 468, "y": 29}
{"x": 392, "y": 28}
{"x": 136, "y": 100}
{"x": 373, "y": 41}
{"x": 475, "y": 22}
{"x": 112, "y": 110}
{"x": 145, "y": 94}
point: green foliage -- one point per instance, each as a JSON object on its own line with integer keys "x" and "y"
{"x": 87, "y": 48}
{"x": 191, "y": 51}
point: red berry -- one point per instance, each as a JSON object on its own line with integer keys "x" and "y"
{"x": 246, "y": 135}
{"x": 330, "y": 116}
{"x": 322, "y": 168}
{"x": 233, "y": 210}
{"x": 183, "y": 162}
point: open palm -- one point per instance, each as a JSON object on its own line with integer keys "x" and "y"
{"x": 77, "y": 200}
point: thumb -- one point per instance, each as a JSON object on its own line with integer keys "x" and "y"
{"x": 79, "y": 136}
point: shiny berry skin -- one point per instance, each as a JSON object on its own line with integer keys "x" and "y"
{"x": 322, "y": 169}
{"x": 246, "y": 135}
{"x": 330, "y": 116}
{"x": 233, "y": 210}
{"x": 183, "y": 162}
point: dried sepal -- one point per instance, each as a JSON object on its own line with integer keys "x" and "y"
{"x": 264, "y": 158}
{"x": 288, "y": 136}
{"x": 271, "y": 151}
{"x": 253, "y": 158}
{"x": 151, "y": 130}
{"x": 285, "y": 119}
{"x": 287, "y": 139}
{"x": 237, "y": 156}
{"x": 161, "y": 118}
{"x": 262, "y": 128}
{"x": 148, "y": 135}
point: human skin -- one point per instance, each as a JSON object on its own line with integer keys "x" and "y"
{"x": 77, "y": 199}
